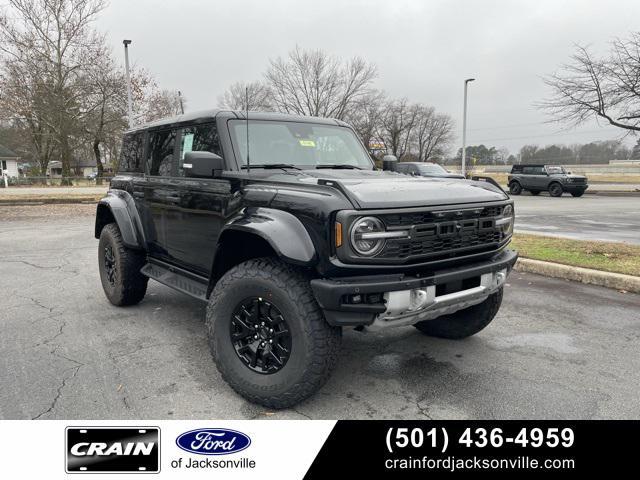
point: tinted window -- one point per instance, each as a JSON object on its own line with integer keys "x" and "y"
{"x": 131, "y": 153}
{"x": 534, "y": 171}
{"x": 161, "y": 152}
{"x": 199, "y": 138}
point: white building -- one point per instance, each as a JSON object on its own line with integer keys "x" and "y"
{"x": 8, "y": 162}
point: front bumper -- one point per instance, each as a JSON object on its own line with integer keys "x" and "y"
{"x": 573, "y": 188}
{"x": 332, "y": 294}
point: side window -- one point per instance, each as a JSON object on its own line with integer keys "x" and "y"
{"x": 161, "y": 152}
{"x": 199, "y": 138}
{"x": 131, "y": 153}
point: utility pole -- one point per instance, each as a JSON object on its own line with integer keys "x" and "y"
{"x": 126, "y": 66}
{"x": 181, "y": 104}
{"x": 464, "y": 128}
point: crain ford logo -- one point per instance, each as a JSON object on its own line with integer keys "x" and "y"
{"x": 112, "y": 449}
{"x": 213, "y": 441}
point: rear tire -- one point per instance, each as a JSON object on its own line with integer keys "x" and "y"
{"x": 515, "y": 188}
{"x": 555, "y": 189}
{"x": 119, "y": 266}
{"x": 279, "y": 293}
{"x": 463, "y": 323}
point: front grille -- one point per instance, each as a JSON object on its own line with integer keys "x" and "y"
{"x": 442, "y": 234}
{"x": 421, "y": 218}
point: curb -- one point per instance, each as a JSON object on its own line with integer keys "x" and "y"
{"x": 617, "y": 281}
{"x": 14, "y": 202}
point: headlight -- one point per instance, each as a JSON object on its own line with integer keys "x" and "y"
{"x": 506, "y": 222}
{"x": 366, "y": 238}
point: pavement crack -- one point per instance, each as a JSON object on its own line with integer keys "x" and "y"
{"x": 58, "y": 395}
{"x": 302, "y": 414}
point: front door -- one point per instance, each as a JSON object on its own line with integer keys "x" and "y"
{"x": 203, "y": 204}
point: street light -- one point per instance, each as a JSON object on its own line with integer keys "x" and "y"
{"x": 126, "y": 66}
{"x": 464, "y": 128}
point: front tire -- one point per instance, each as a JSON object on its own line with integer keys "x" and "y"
{"x": 265, "y": 300}
{"x": 515, "y": 188}
{"x": 555, "y": 190}
{"x": 463, "y": 323}
{"x": 119, "y": 266}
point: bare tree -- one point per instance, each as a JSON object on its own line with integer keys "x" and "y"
{"x": 433, "y": 133}
{"x": 365, "y": 116}
{"x": 162, "y": 103}
{"x": 246, "y": 96}
{"x": 105, "y": 106}
{"x": 397, "y": 124}
{"x": 606, "y": 88}
{"x": 310, "y": 82}
{"x": 52, "y": 41}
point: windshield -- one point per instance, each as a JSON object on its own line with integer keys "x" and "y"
{"x": 298, "y": 143}
{"x": 555, "y": 170}
{"x": 432, "y": 169}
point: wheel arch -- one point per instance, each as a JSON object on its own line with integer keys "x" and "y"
{"x": 119, "y": 207}
{"x": 262, "y": 232}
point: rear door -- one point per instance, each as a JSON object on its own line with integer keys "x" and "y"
{"x": 158, "y": 190}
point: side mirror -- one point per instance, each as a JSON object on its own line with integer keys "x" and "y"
{"x": 203, "y": 164}
{"x": 389, "y": 162}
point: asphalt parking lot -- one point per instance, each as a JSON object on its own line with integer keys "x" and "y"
{"x": 591, "y": 217}
{"x": 556, "y": 349}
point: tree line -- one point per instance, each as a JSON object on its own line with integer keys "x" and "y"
{"x": 62, "y": 93}
{"x": 589, "y": 153}
{"x": 312, "y": 82}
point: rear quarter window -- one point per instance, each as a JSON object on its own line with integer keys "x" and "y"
{"x": 132, "y": 153}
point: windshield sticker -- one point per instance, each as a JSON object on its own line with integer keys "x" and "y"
{"x": 307, "y": 143}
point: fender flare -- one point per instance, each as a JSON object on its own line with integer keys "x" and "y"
{"x": 284, "y": 232}
{"x": 122, "y": 207}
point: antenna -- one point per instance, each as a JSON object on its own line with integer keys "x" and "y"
{"x": 246, "y": 105}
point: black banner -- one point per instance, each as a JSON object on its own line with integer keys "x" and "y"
{"x": 419, "y": 449}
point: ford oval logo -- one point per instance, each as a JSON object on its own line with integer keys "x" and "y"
{"x": 213, "y": 441}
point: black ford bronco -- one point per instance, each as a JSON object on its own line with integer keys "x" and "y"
{"x": 284, "y": 226}
{"x": 545, "y": 178}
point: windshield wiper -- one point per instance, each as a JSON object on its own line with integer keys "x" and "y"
{"x": 272, "y": 165}
{"x": 339, "y": 166}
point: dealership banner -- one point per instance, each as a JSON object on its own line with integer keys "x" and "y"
{"x": 313, "y": 449}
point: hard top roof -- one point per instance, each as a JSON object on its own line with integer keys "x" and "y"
{"x": 203, "y": 115}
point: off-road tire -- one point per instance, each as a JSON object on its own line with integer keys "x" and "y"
{"x": 577, "y": 194}
{"x": 515, "y": 188}
{"x": 534, "y": 192}
{"x": 315, "y": 344}
{"x": 129, "y": 285}
{"x": 555, "y": 189}
{"x": 463, "y": 323}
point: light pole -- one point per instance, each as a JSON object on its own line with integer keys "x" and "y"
{"x": 126, "y": 66}
{"x": 464, "y": 128}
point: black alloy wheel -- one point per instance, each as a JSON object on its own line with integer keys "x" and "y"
{"x": 260, "y": 335}
{"x": 555, "y": 190}
{"x": 110, "y": 265}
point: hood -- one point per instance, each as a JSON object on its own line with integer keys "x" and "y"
{"x": 383, "y": 189}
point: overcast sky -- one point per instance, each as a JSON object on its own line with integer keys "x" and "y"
{"x": 423, "y": 50}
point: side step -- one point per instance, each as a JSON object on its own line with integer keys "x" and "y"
{"x": 177, "y": 279}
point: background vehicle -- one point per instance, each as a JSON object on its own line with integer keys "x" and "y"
{"x": 545, "y": 178}
{"x": 305, "y": 240}
{"x": 425, "y": 169}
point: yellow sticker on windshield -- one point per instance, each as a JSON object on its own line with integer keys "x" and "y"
{"x": 307, "y": 143}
